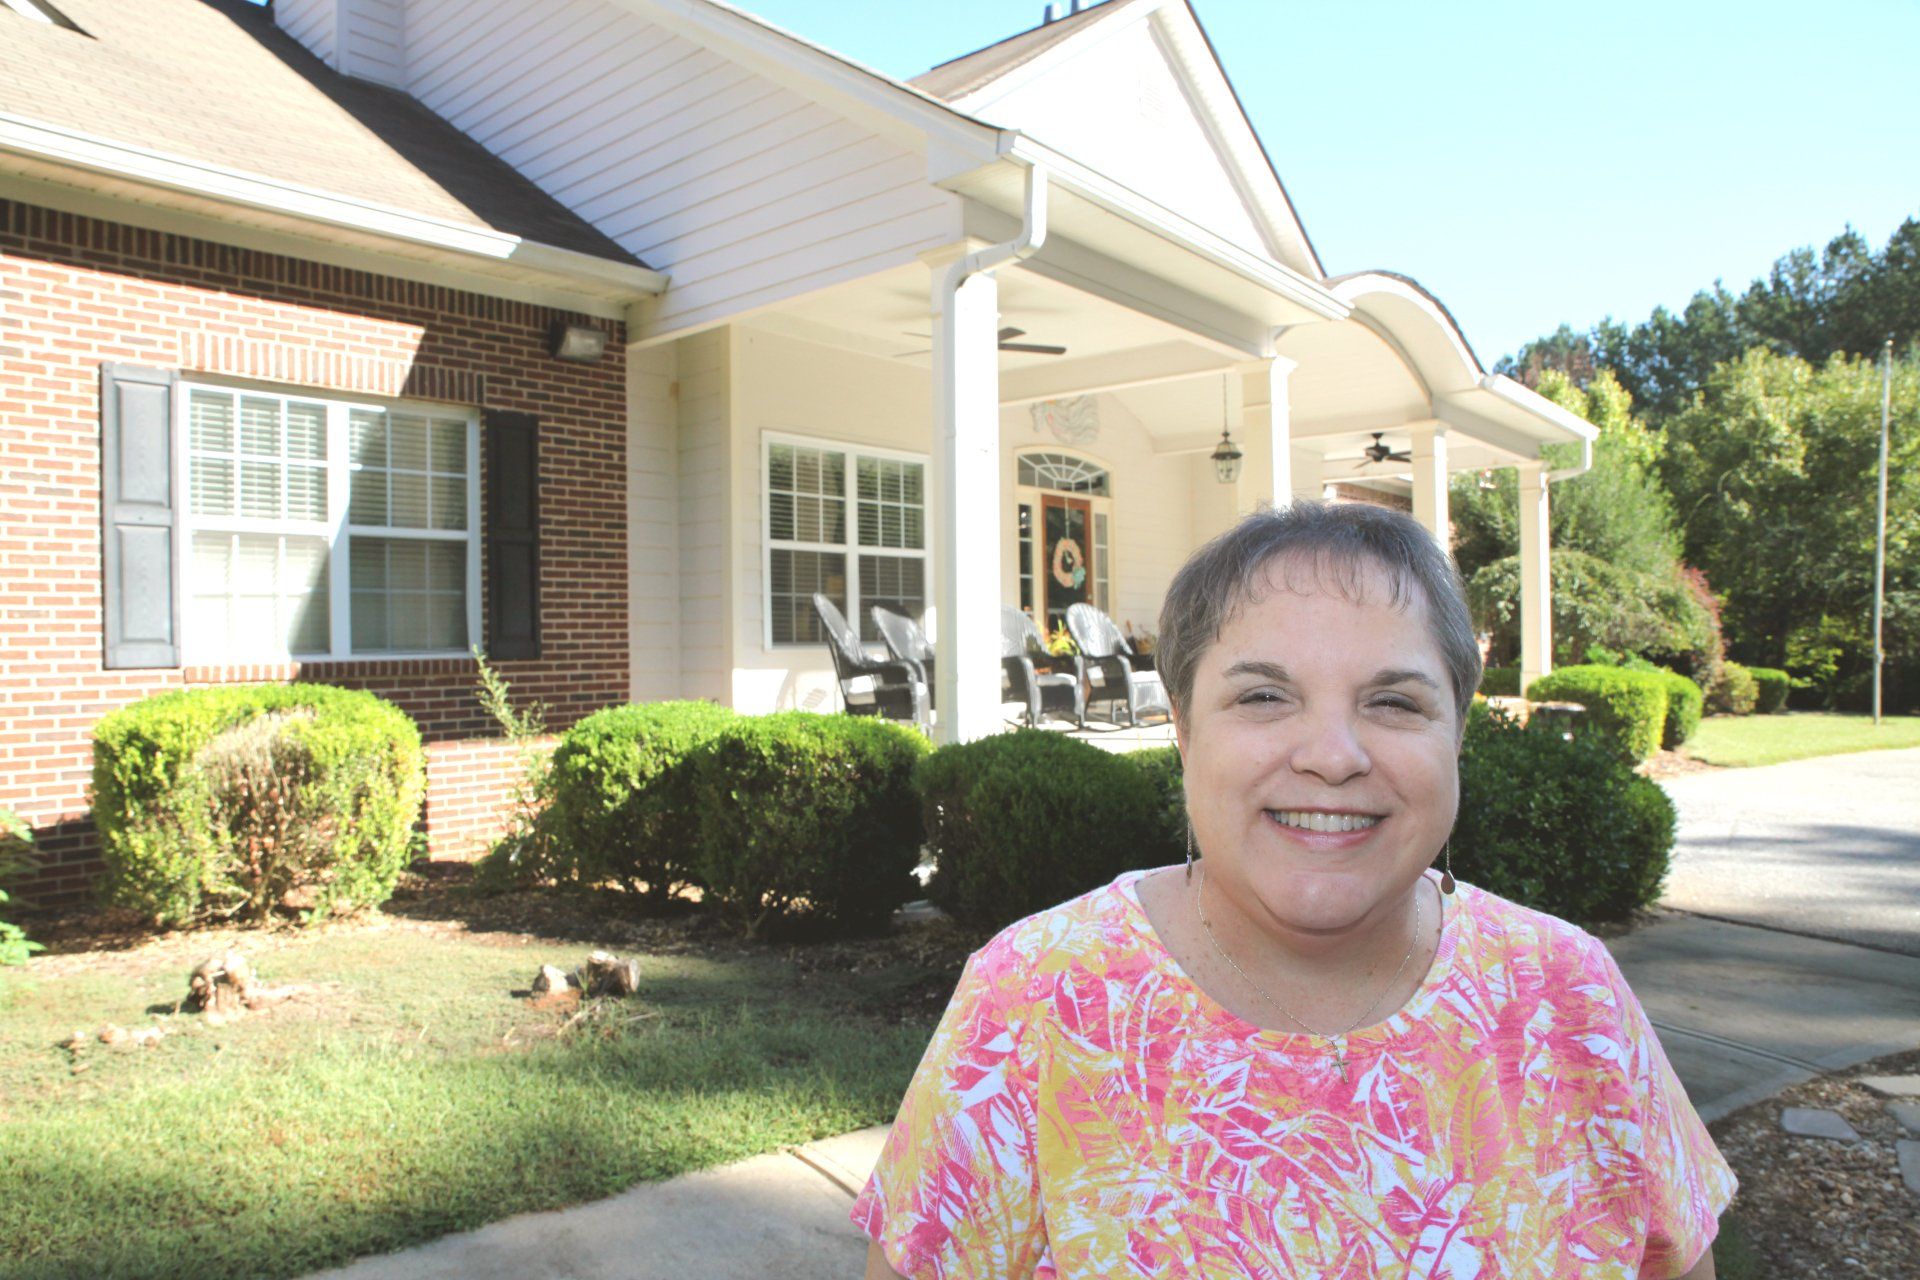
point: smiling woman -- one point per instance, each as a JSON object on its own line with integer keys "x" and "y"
{"x": 1305, "y": 1053}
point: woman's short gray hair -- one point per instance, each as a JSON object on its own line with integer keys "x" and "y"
{"x": 1332, "y": 544}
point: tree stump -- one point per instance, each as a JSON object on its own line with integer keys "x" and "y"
{"x": 222, "y": 986}
{"x": 605, "y": 974}
{"x": 551, "y": 978}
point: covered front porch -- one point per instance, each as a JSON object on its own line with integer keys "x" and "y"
{"x": 892, "y": 441}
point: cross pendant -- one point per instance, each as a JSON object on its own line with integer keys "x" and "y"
{"x": 1340, "y": 1064}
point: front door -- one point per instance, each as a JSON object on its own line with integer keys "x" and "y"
{"x": 1065, "y": 574}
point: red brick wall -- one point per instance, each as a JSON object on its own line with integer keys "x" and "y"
{"x": 76, "y": 292}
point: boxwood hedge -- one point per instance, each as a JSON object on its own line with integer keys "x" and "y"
{"x": 804, "y": 821}
{"x": 1627, "y": 709}
{"x": 236, "y": 801}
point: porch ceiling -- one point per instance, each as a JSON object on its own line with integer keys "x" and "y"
{"x": 1350, "y": 381}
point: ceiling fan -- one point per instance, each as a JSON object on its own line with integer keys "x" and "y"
{"x": 1007, "y": 343}
{"x": 1379, "y": 451}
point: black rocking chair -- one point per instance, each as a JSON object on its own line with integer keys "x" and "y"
{"x": 1024, "y": 675}
{"x": 906, "y": 642}
{"x": 1110, "y": 674}
{"x": 871, "y": 686}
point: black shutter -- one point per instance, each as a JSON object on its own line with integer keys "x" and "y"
{"x": 513, "y": 534}
{"x": 137, "y": 505}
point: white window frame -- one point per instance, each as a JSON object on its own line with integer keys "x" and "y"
{"x": 194, "y": 649}
{"x": 851, "y": 548}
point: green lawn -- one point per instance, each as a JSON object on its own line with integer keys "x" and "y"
{"x": 1744, "y": 741}
{"x": 413, "y": 1094}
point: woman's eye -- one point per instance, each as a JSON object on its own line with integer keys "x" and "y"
{"x": 1259, "y": 697}
{"x": 1396, "y": 704}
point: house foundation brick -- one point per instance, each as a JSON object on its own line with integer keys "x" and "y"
{"x": 76, "y": 292}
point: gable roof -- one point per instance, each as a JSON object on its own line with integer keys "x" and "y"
{"x": 974, "y": 83}
{"x": 215, "y": 83}
{"x": 958, "y": 77}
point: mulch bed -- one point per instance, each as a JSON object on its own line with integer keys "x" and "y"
{"x": 1811, "y": 1207}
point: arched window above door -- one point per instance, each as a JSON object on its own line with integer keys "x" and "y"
{"x": 1064, "y": 473}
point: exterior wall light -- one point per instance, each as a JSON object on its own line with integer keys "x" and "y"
{"x": 578, "y": 342}
{"x": 1226, "y": 454}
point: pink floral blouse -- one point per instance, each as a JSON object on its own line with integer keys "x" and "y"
{"x": 1084, "y": 1110}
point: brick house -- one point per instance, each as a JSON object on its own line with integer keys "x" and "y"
{"x": 182, "y": 395}
{"x": 282, "y": 395}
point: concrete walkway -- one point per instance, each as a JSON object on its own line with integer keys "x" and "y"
{"x": 1742, "y": 1012}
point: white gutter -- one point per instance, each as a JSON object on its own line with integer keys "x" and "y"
{"x": 1521, "y": 397}
{"x": 74, "y": 150}
{"x": 1151, "y": 216}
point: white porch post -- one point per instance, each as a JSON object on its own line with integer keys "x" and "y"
{"x": 1267, "y": 423}
{"x": 966, "y": 534}
{"x": 1536, "y": 577}
{"x": 1430, "y": 482}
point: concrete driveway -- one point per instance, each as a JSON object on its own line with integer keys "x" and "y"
{"x": 1827, "y": 847}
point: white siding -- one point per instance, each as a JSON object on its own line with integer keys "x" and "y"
{"x": 311, "y": 22}
{"x": 703, "y": 388}
{"x": 743, "y": 191}
{"x": 653, "y": 523}
{"x": 800, "y": 388}
{"x": 1119, "y": 108}
{"x": 376, "y": 41}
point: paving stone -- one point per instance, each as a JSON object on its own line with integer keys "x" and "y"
{"x": 1909, "y": 1151}
{"x": 1893, "y": 1086}
{"x": 1816, "y": 1122}
{"x": 1907, "y": 1114}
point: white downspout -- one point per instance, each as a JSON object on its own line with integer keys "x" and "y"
{"x": 1033, "y": 235}
{"x": 966, "y": 409}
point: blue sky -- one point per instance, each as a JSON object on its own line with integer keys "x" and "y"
{"x": 1531, "y": 163}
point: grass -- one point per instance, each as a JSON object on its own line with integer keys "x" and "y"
{"x": 1746, "y": 741}
{"x": 412, "y": 1094}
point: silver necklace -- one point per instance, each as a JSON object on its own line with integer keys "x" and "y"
{"x": 1338, "y": 1038}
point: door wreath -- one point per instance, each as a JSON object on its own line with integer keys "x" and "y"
{"x": 1069, "y": 565}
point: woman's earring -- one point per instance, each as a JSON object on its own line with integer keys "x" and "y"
{"x": 1189, "y": 853}
{"x": 1446, "y": 875}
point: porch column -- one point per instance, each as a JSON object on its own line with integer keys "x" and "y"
{"x": 1430, "y": 482}
{"x": 1536, "y": 577}
{"x": 966, "y": 533}
{"x": 1267, "y": 426}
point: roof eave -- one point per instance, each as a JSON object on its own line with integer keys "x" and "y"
{"x": 326, "y": 213}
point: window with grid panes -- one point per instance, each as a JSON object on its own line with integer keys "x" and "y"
{"x": 320, "y": 528}
{"x": 876, "y": 557}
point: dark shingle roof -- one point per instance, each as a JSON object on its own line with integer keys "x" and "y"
{"x": 215, "y": 82}
{"x": 958, "y": 78}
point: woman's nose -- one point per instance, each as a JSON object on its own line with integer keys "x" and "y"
{"x": 1329, "y": 749}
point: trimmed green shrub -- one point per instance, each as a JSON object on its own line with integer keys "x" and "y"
{"x": 1685, "y": 701}
{"x": 621, "y": 794}
{"x": 1021, "y": 821}
{"x": 1500, "y": 682}
{"x": 1166, "y": 775}
{"x": 235, "y": 802}
{"x": 1565, "y": 827}
{"x": 808, "y": 821}
{"x": 1625, "y": 708}
{"x": 16, "y": 839}
{"x": 1734, "y": 691}
{"x": 1772, "y": 686}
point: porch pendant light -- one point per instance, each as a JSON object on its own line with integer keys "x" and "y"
{"x": 1226, "y": 454}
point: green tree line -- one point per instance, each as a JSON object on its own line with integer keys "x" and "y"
{"x": 1730, "y": 509}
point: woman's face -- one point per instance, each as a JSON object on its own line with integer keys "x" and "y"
{"x": 1320, "y": 746}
